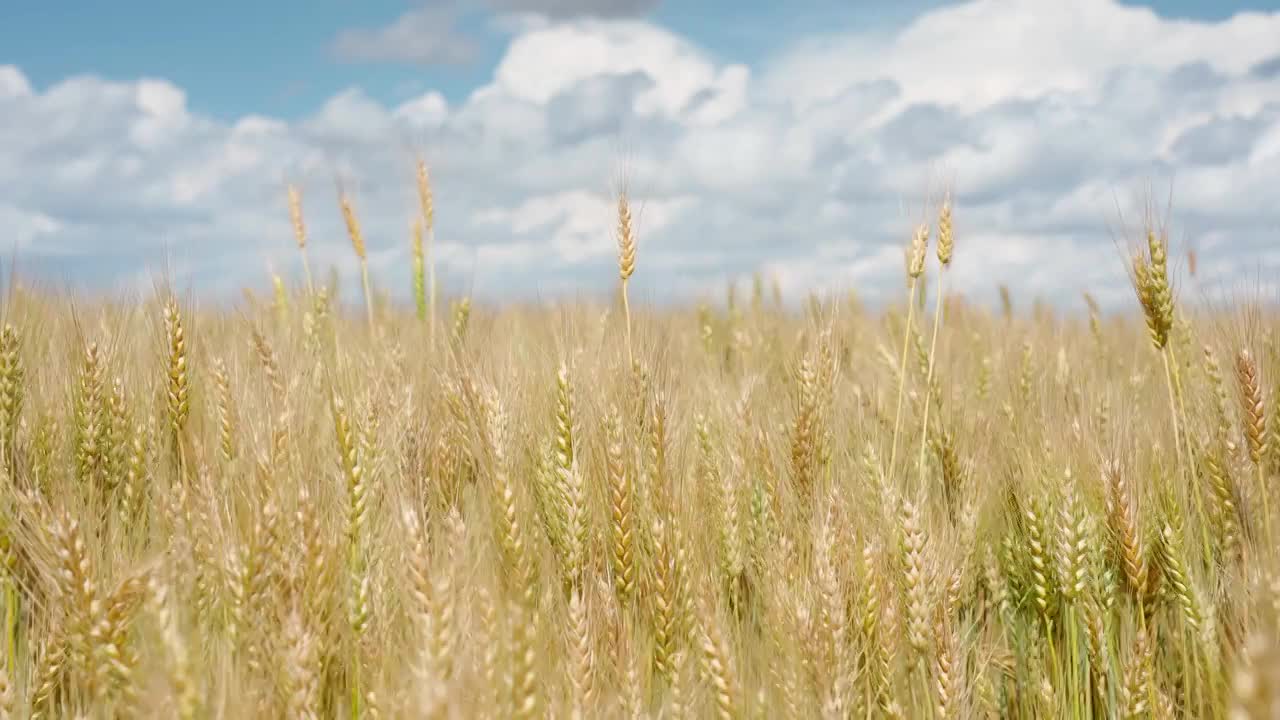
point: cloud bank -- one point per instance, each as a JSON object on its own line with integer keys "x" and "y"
{"x": 812, "y": 165}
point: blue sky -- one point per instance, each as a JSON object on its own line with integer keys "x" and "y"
{"x": 277, "y": 58}
{"x": 791, "y": 139}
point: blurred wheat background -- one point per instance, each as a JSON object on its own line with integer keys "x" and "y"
{"x": 298, "y": 509}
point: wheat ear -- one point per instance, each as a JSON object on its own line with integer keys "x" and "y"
{"x": 626, "y": 262}
{"x": 1255, "y": 426}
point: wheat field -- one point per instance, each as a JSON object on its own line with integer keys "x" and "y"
{"x": 297, "y": 508}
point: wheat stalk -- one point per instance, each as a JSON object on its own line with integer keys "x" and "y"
{"x": 626, "y": 262}
{"x": 357, "y": 244}
{"x": 300, "y": 234}
{"x": 427, "y": 207}
{"x": 916, "y": 254}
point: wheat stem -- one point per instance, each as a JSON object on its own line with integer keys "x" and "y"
{"x": 928, "y": 382}
{"x": 902, "y": 376}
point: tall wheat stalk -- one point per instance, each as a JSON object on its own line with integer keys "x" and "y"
{"x": 916, "y": 254}
{"x": 1150, "y": 275}
{"x": 300, "y": 235}
{"x": 626, "y": 263}
{"x": 357, "y": 243}
{"x": 427, "y": 207}
{"x": 946, "y": 245}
